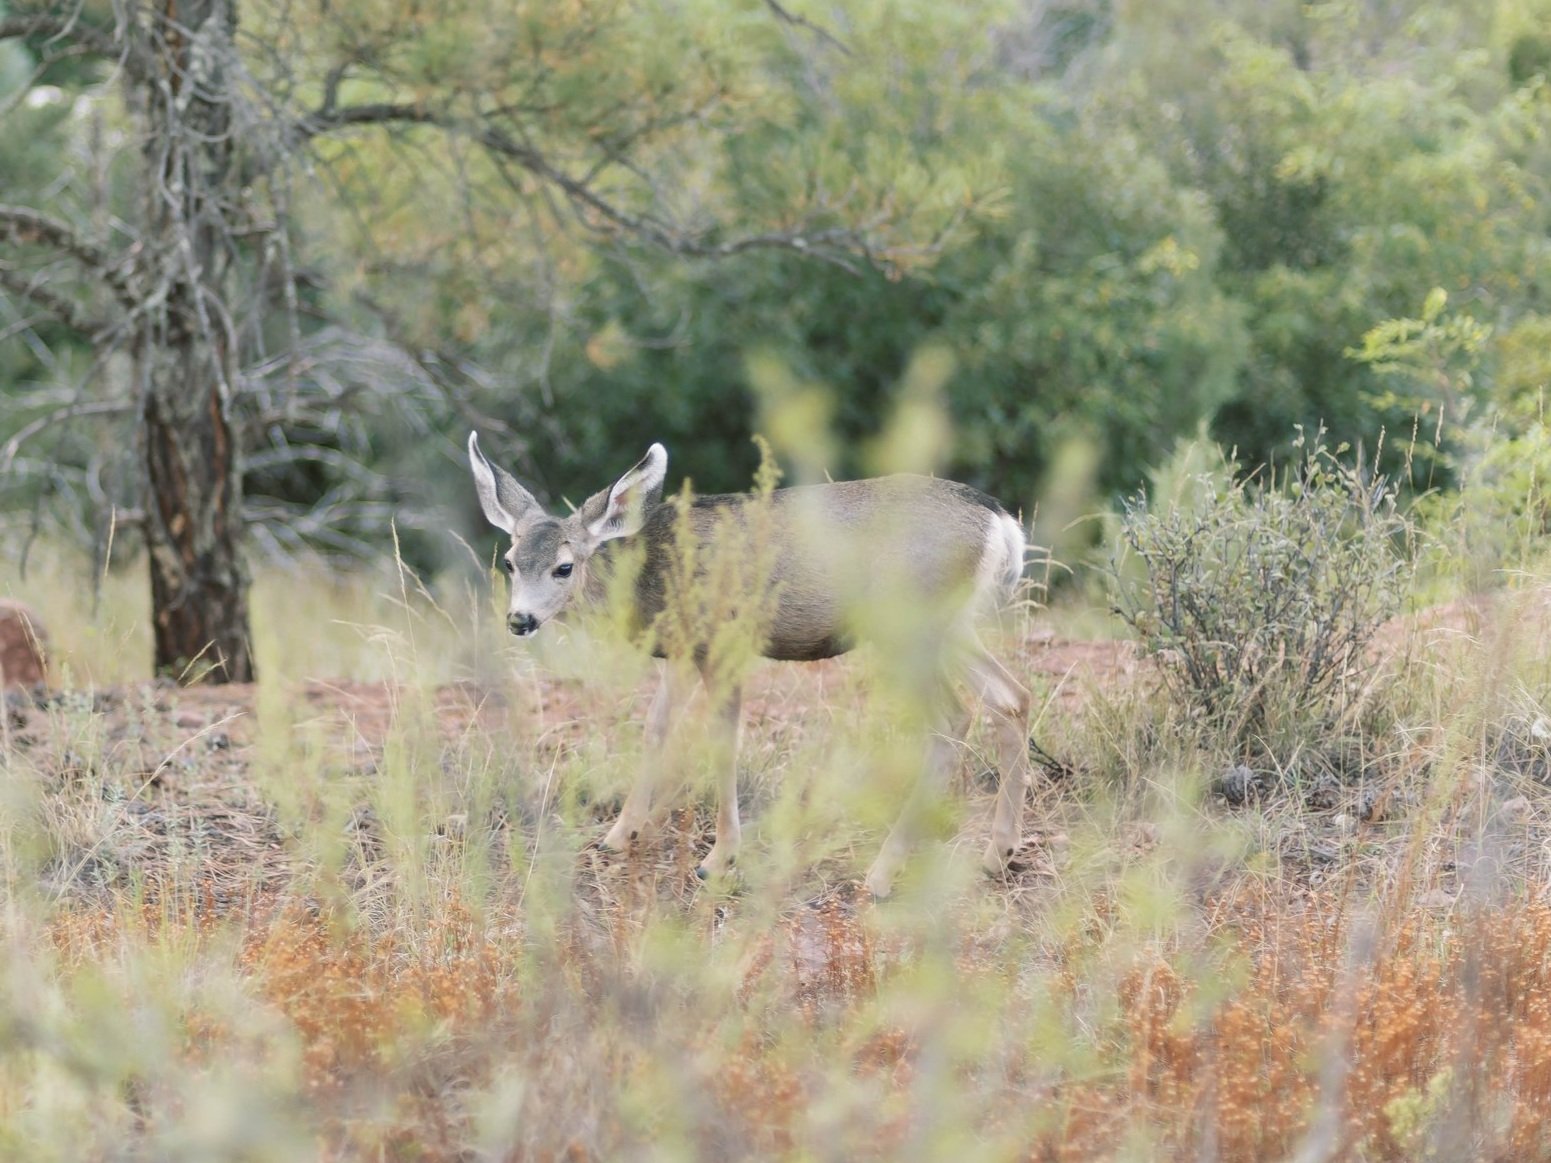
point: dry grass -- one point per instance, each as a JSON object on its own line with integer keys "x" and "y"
{"x": 366, "y": 920}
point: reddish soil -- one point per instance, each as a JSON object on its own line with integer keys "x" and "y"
{"x": 190, "y": 756}
{"x": 358, "y": 715}
{"x": 183, "y": 765}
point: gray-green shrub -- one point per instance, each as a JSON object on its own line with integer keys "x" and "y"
{"x": 1260, "y": 597}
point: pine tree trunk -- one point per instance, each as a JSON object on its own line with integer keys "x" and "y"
{"x": 193, "y": 509}
{"x": 193, "y": 520}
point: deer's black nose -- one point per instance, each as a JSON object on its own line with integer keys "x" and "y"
{"x": 520, "y": 624}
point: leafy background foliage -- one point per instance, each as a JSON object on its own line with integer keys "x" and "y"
{"x": 1122, "y": 221}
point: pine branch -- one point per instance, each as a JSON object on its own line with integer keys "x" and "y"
{"x": 787, "y": 16}
{"x": 68, "y": 27}
{"x": 836, "y": 246}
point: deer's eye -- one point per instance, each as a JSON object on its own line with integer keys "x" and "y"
{"x": 508, "y": 566}
{"x": 563, "y": 570}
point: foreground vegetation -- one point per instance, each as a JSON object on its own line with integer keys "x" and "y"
{"x": 367, "y": 919}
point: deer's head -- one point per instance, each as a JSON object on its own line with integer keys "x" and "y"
{"x": 547, "y": 561}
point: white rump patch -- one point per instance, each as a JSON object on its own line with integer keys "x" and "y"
{"x": 1001, "y": 562}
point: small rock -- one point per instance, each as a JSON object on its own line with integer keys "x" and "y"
{"x": 1239, "y": 784}
{"x": 1513, "y": 809}
{"x": 1324, "y": 851}
{"x": 23, "y": 645}
{"x": 1370, "y": 805}
{"x": 1376, "y": 805}
{"x": 1324, "y": 794}
{"x": 1143, "y": 835}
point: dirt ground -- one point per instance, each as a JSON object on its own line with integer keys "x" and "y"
{"x": 191, "y": 752}
{"x": 358, "y": 715}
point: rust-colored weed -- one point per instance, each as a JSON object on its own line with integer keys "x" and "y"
{"x": 353, "y": 999}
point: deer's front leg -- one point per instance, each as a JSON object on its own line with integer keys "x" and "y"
{"x": 729, "y": 830}
{"x": 638, "y": 804}
{"x": 937, "y": 764}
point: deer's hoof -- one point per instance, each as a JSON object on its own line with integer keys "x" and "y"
{"x": 720, "y": 879}
{"x": 713, "y": 866}
{"x": 998, "y": 856}
{"x": 878, "y": 886}
{"x": 620, "y": 838}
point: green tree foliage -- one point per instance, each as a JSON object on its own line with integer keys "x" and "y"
{"x": 1121, "y": 219}
{"x": 1080, "y": 301}
{"x": 34, "y": 132}
{"x": 1353, "y": 160}
{"x": 1202, "y": 212}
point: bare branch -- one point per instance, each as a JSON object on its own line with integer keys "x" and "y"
{"x": 787, "y": 16}
{"x": 42, "y": 423}
{"x": 331, "y": 83}
{"x": 61, "y": 307}
{"x": 20, "y": 224}
{"x": 328, "y": 117}
{"x": 25, "y": 226}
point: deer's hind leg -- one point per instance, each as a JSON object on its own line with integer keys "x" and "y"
{"x": 1008, "y": 702}
{"x": 725, "y": 735}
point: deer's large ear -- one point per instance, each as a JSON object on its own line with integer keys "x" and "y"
{"x": 506, "y": 503}
{"x": 621, "y": 510}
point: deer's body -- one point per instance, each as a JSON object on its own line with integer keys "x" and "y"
{"x": 832, "y": 553}
{"x": 837, "y": 546}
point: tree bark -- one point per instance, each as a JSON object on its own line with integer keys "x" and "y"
{"x": 193, "y": 506}
{"x": 193, "y": 520}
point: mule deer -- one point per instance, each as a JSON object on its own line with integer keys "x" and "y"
{"x": 952, "y": 551}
